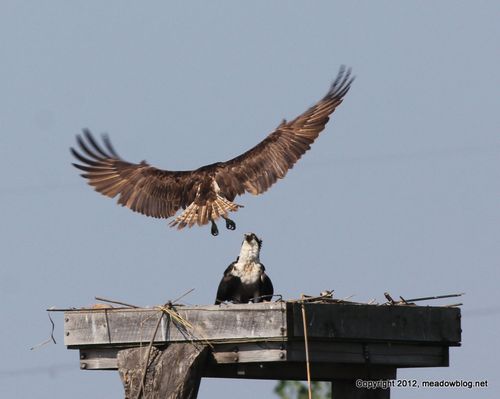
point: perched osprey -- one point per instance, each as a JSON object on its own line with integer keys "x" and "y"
{"x": 207, "y": 193}
{"x": 245, "y": 279}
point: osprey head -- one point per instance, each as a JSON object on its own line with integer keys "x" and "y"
{"x": 250, "y": 248}
{"x": 251, "y": 238}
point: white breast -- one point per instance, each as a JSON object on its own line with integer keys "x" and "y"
{"x": 248, "y": 273}
{"x": 249, "y": 252}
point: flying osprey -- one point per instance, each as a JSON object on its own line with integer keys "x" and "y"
{"x": 207, "y": 193}
{"x": 245, "y": 279}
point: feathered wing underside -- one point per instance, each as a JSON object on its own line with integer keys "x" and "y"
{"x": 259, "y": 168}
{"x": 140, "y": 187}
{"x": 148, "y": 190}
{"x": 161, "y": 193}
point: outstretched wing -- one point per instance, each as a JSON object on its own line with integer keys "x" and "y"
{"x": 160, "y": 193}
{"x": 141, "y": 187}
{"x": 260, "y": 167}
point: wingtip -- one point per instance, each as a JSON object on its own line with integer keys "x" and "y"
{"x": 342, "y": 82}
{"x": 74, "y": 152}
{"x": 81, "y": 167}
{"x": 344, "y": 70}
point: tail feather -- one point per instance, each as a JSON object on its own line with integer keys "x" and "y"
{"x": 202, "y": 214}
{"x": 217, "y": 210}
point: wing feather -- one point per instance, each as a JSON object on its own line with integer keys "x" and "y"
{"x": 260, "y": 167}
{"x": 228, "y": 286}
{"x": 161, "y": 193}
{"x": 140, "y": 187}
{"x": 266, "y": 288}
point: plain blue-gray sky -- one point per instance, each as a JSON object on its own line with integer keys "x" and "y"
{"x": 399, "y": 194}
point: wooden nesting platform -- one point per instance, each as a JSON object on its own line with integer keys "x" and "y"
{"x": 266, "y": 340}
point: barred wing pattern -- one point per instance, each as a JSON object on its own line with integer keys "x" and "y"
{"x": 141, "y": 187}
{"x": 206, "y": 192}
{"x": 256, "y": 170}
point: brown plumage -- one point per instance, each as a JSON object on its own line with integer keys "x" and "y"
{"x": 206, "y": 193}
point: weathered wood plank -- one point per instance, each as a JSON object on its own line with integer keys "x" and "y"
{"x": 132, "y": 326}
{"x": 267, "y": 321}
{"x": 376, "y": 353}
{"x": 99, "y": 359}
{"x": 297, "y": 371}
{"x": 106, "y": 358}
{"x": 372, "y": 323}
{"x": 249, "y": 352}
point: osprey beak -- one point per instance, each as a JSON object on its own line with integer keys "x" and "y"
{"x": 249, "y": 237}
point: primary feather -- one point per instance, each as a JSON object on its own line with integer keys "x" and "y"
{"x": 206, "y": 193}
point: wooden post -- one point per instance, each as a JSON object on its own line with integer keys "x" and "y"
{"x": 172, "y": 373}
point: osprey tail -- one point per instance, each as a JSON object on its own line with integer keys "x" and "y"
{"x": 202, "y": 214}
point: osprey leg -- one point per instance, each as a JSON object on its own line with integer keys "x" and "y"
{"x": 214, "y": 230}
{"x": 230, "y": 225}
